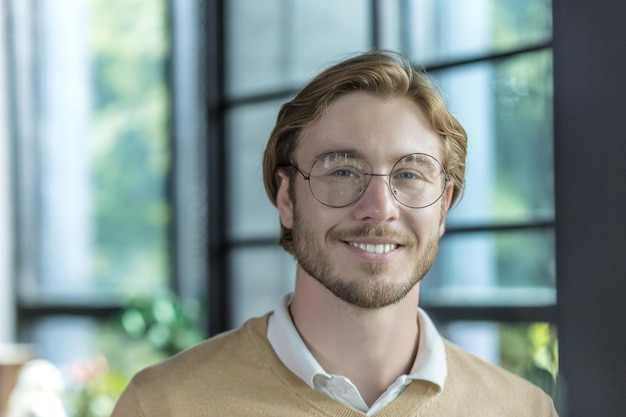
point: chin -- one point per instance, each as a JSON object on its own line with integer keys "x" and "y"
{"x": 371, "y": 292}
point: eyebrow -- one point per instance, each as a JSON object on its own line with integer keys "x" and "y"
{"x": 351, "y": 152}
{"x": 361, "y": 157}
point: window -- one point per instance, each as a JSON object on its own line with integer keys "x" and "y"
{"x": 91, "y": 123}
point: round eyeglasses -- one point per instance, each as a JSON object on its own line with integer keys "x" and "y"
{"x": 338, "y": 180}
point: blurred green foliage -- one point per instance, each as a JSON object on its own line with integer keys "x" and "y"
{"x": 531, "y": 351}
{"x": 148, "y": 331}
{"x": 129, "y": 143}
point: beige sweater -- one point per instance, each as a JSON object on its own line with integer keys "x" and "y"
{"x": 238, "y": 374}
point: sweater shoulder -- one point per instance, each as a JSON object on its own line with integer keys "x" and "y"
{"x": 235, "y": 373}
{"x": 492, "y": 387}
{"x": 466, "y": 363}
{"x": 202, "y": 375}
{"x": 213, "y": 354}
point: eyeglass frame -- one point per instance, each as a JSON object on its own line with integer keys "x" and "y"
{"x": 307, "y": 178}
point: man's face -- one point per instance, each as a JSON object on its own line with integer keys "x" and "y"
{"x": 370, "y": 253}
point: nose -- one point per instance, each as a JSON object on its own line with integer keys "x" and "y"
{"x": 377, "y": 202}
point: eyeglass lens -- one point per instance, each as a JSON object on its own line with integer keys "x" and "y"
{"x": 338, "y": 180}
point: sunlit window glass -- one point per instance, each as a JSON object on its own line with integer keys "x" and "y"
{"x": 506, "y": 108}
{"x": 513, "y": 268}
{"x": 251, "y": 213}
{"x": 283, "y": 43}
{"x": 422, "y": 28}
{"x": 102, "y": 147}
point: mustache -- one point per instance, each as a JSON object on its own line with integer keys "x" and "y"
{"x": 371, "y": 231}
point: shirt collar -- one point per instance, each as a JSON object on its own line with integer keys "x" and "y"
{"x": 289, "y": 346}
{"x": 430, "y": 363}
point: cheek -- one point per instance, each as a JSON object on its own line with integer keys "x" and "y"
{"x": 319, "y": 219}
{"x": 308, "y": 209}
{"x": 297, "y": 204}
{"x": 427, "y": 223}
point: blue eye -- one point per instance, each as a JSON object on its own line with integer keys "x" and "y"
{"x": 343, "y": 173}
{"x": 347, "y": 175}
{"x": 408, "y": 175}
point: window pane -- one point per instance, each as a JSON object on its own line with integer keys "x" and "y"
{"x": 260, "y": 277}
{"x": 282, "y": 43}
{"x": 498, "y": 268}
{"x": 130, "y": 153}
{"x": 506, "y": 108}
{"x": 103, "y": 149}
{"x": 432, "y": 31}
{"x": 251, "y": 212}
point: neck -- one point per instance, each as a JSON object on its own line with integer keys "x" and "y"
{"x": 371, "y": 347}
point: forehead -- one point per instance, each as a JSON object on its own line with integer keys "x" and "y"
{"x": 379, "y": 130}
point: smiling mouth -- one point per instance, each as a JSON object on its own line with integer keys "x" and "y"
{"x": 372, "y": 248}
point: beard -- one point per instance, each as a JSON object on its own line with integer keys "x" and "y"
{"x": 373, "y": 291}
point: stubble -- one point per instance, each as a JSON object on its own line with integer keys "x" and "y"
{"x": 373, "y": 290}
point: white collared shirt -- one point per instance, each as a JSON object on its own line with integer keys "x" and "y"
{"x": 430, "y": 363}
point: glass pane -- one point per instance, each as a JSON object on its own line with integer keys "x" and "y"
{"x": 529, "y": 350}
{"x": 431, "y": 31}
{"x": 260, "y": 277}
{"x": 103, "y": 144}
{"x": 506, "y": 108}
{"x": 251, "y": 212}
{"x": 282, "y": 43}
{"x": 497, "y": 268}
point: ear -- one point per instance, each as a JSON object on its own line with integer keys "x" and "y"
{"x": 283, "y": 199}
{"x": 447, "y": 200}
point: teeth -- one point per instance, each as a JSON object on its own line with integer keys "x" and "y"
{"x": 368, "y": 247}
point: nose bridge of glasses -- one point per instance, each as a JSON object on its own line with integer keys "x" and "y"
{"x": 373, "y": 175}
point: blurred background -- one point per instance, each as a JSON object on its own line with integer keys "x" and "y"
{"x": 133, "y": 218}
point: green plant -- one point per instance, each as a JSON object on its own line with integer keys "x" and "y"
{"x": 146, "y": 332}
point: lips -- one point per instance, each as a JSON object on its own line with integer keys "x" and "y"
{"x": 374, "y": 248}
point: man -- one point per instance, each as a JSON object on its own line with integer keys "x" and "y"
{"x": 363, "y": 165}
